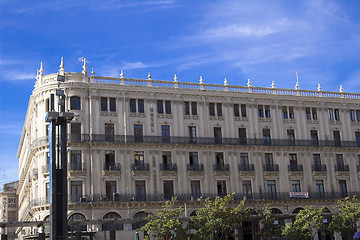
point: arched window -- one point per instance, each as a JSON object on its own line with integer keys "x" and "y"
{"x": 75, "y": 103}
{"x": 112, "y": 215}
{"x": 297, "y": 210}
{"x": 139, "y": 215}
{"x": 76, "y": 228}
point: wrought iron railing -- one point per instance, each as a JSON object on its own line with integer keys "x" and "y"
{"x": 112, "y": 167}
{"x": 140, "y": 167}
{"x": 271, "y": 167}
{"x": 77, "y": 166}
{"x": 195, "y": 167}
{"x": 342, "y": 168}
{"x": 221, "y": 167}
{"x": 296, "y": 168}
{"x": 319, "y": 168}
{"x": 168, "y": 167}
{"x": 246, "y": 167}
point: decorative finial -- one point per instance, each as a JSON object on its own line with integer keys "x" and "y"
{"x": 249, "y": 83}
{"x": 41, "y": 71}
{"x": 297, "y": 86}
{"x": 149, "y": 76}
{"x": 201, "y": 80}
{"x": 273, "y": 84}
{"x": 319, "y": 87}
{"x": 84, "y": 66}
{"x": 175, "y": 78}
{"x": 225, "y": 82}
{"x": 122, "y": 74}
{"x": 341, "y": 89}
{"x": 92, "y": 72}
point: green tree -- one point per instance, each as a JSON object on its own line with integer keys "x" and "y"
{"x": 166, "y": 223}
{"x": 305, "y": 222}
{"x": 217, "y": 220}
{"x": 269, "y": 230}
{"x": 345, "y": 220}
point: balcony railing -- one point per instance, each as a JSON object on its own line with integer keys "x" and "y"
{"x": 184, "y": 197}
{"x": 319, "y": 168}
{"x": 140, "y": 167}
{"x": 77, "y": 166}
{"x": 246, "y": 167}
{"x": 195, "y": 167}
{"x": 271, "y": 167}
{"x": 221, "y": 167}
{"x": 342, "y": 168}
{"x": 296, "y": 168}
{"x": 207, "y": 141}
{"x": 168, "y": 167}
{"x": 112, "y": 167}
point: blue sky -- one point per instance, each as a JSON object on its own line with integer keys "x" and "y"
{"x": 261, "y": 40}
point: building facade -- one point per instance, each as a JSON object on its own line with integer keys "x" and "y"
{"x": 135, "y": 143}
{"x": 8, "y": 207}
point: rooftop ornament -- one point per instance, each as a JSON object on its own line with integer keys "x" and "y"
{"x": 249, "y": 83}
{"x": 319, "y": 87}
{"x": 85, "y": 71}
{"x": 41, "y": 71}
{"x": 175, "y": 78}
{"x": 92, "y": 72}
{"x": 273, "y": 84}
{"x": 225, "y": 82}
{"x": 341, "y": 89}
{"x": 201, "y": 80}
{"x": 149, "y": 76}
{"x": 121, "y": 74}
{"x": 62, "y": 70}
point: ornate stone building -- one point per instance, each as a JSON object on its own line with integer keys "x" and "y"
{"x": 135, "y": 143}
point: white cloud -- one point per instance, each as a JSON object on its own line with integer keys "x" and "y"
{"x": 13, "y": 76}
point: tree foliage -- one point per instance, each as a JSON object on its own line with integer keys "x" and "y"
{"x": 217, "y": 219}
{"x": 345, "y": 220}
{"x": 269, "y": 229}
{"x": 305, "y": 222}
{"x": 166, "y": 223}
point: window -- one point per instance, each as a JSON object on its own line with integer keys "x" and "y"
{"x": 352, "y": 115}
{"x": 219, "y": 109}
{"x": 236, "y": 110}
{"x": 242, "y": 135}
{"x": 291, "y": 136}
{"x": 243, "y": 110}
{"x": 212, "y": 109}
{"x": 334, "y": 114}
{"x": 112, "y": 102}
{"x": 109, "y": 160}
{"x": 337, "y": 139}
{"x": 139, "y": 159}
{"x": 133, "y": 105}
{"x": 76, "y": 190}
{"x": 314, "y": 137}
{"x": 331, "y": 114}
{"x": 139, "y": 215}
{"x": 166, "y": 160}
{"x": 269, "y": 159}
{"x": 219, "y": 159}
{"x": 217, "y": 135}
{"x": 168, "y": 190}
{"x": 339, "y": 160}
{"x": 343, "y": 188}
{"x": 75, "y": 160}
{"x": 75, "y": 129}
{"x": 317, "y": 160}
{"x": 109, "y": 132}
{"x": 285, "y": 113}
{"x": 293, "y": 159}
{"x": 195, "y": 188}
{"x": 311, "y": 113}
{"x": 138, "y": 132}
{"x": 47, "y": 190}
{"x": 75, "y": 103}
{"x": 160, "y": 107}
{"x": 104, "y": 104}
{"x": 165, "y": 133}
{"x": 140, "y": 190}
{"x": 167, "y": 107}
{"x": 271, "y": 188}
{"x": 47, "y": 105}
{"x": 320, "y": 188}
{"x": 112, "y": 216}
{"x": 296, "y": 186}
{"x": 193, "y": 159}
{"x": 266, "y": 136}
{"x": 291, "y": 113}
{"x": 358, "y": 115}
{"x": 192, "y": 134}
{"x": 76, "y": 228}
{"x": 267, "y": 111}
{"x": 244, "y": 160}
{"x": 357, "y": 138}
{"x": 247, "y": 187}
{"x": 221, "y": 188}
{"x": 188, "y": 105}
{"x": 261, "y": 111}
{"x": 141, "y": 105}
{"x": 110, "y": 188}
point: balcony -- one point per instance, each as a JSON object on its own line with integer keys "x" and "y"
{"x": 195, "y": 167}
{"x": 133, "y": 139}
{"x": 111, "y": 169}
{"x": 319, "y": 168}
{"x": 342, "y": 168}
{"x": 271, "y": 167}
{"x": 140, "y": 169}
{"x": 295, "y": 168}
{"x": 186, "y": 197}
{"x": 246, "y": 167}
{"x": 77, "y": 169}
{"x": 221, "y": 167}
{"x": 168, "y": 167}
